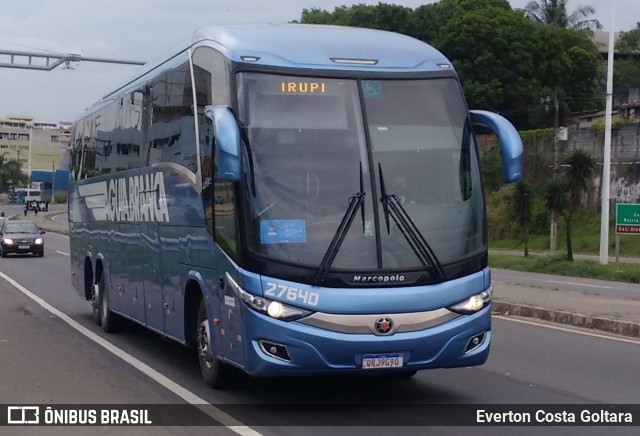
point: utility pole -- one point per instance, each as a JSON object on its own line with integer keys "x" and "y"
{"x": 553, "y": 237}
{"x": 53, "y": 181}
{"x": 29, "y": 164}
{"x": 606, "y": 164}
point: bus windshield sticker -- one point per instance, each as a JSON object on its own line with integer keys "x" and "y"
{"x": 283, "y": 232}
{"x": 372, "y": 89}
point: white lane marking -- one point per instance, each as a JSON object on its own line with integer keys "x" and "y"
{"x": 569, "y": 330}
{"x": 227, "y": 420}
{"x": 577, "y": 284}
{"x": 63, "y": 253}
{"x": 561, "y": 282}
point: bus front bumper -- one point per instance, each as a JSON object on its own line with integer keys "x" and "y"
{"x": 280, "y": 348}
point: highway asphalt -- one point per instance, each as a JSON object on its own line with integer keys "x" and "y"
{"x": 565, "y": 300}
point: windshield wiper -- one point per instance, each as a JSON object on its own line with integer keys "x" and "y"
{"x": 356, "y": 201}
{"x": 394, "y": 209}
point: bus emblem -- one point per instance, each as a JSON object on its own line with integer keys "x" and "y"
{"x": 383, "y": 325}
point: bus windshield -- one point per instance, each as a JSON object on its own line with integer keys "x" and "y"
{"x": 317, "y": 142}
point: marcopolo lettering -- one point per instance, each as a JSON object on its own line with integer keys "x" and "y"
{"x": 385, "y": 278}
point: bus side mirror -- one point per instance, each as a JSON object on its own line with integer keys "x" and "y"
{"x": 226, "y": 142}
{"x": 511, "y": 148}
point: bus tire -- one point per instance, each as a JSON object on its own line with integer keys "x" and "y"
{"x": 108, "y": 319}
{"x": 215, "y": 373}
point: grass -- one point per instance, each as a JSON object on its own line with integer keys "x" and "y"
{"x": 585, "y": 237}
{"x": 558, "y": 265}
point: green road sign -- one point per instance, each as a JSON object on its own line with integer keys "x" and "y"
{"x": 627, "y": 219}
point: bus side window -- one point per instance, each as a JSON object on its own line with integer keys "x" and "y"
{"x": 211, "y": 76}
{"x": 225, "y": 207}
{"x": 171, "y": 134}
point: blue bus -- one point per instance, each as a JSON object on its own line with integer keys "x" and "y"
{"x": 290, "y": 199}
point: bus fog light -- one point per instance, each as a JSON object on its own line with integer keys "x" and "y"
{"x": 278, "y": 351}
{"x": 474, "y": 342}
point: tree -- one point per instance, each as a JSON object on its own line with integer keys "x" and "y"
{"x": 521, "y": 201}
{"x": 505, "y": 62}
{"x": 383, "y": 16}
{"x": 492, "y": 174}
{"x": 563, "y": 193}
{"x": 567, "y": 67}
{"x": 554, "y": 12}
{"x": 627, "y": 66}
{"x": 10, "y": 173}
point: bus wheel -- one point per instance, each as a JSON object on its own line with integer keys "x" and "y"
{"x": 214, "y": 372}
{"x": 107, "y": 318}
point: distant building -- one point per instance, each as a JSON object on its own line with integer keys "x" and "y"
{"x": 586, "y": 119}
{"x": 49, "y": 142}
{"x": 52, "y": 184}
{"x": 601, "y": 40}
{"x": 631, "y": 111}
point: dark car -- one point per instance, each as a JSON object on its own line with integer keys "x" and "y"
{"x": 21, "y": 237}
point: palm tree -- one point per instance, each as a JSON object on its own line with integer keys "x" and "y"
{"x": 521, "y": 209}
{"x": 563, "y": 194}
{"x": 554, "y": 12}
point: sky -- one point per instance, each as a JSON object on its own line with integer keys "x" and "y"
{"x": 142, "y": 30}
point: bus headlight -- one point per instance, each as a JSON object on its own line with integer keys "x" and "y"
{"x": 7, "y": 241}
{"x": 274, "y": 309}
{"x": 474, "y": 303}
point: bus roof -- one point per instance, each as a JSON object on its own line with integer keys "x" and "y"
{"x": 311, "y": 46}
{"x": 322, "y": 46}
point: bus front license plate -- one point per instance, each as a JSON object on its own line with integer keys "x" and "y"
{"x": 382, "y": 361}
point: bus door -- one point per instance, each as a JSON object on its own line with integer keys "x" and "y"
{"x": 153, "y": 283}
{"x": 224, "y": 219}
{"x": 231, "y": 333}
